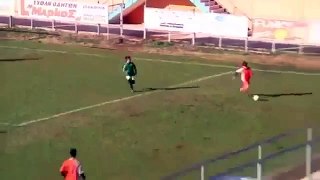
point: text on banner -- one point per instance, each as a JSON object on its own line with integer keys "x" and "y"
{"x": 64, "y": 10}
{"x": 195, "y": 22}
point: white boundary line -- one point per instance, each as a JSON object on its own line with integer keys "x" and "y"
{"x": 115, "y": 100}
{"x": 164, "y": 61}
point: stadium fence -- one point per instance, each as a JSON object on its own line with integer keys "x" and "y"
{"x": 283, "y": 150}
{"x": 138, "y": 32}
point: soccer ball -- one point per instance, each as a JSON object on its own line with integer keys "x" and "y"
{"x": 255, "y": 97}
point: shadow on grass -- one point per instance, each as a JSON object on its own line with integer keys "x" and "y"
{"x": 3, "y": 130}
{"x": 263, "y": 97}
{"x": 19, "y": 59}
{"x": 167, "y": 89}
{"x": 285, "y": 94}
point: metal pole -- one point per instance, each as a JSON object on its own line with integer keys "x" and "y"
{"x": 145, "y": 32}
{"x": 31, "y": 23}
{"x": 98, "y": 29}
{"x": 53, "y": 25}
{"x": 169, "y": 36}
{"x": 108, "y": 32}
{"x": 246, "y": 45}
{"x": 273, "y": 47}
{"x": 144, "y": 22}
{"x": 220, "y": 42}
{"x": 194, "y": 33}
{"x": 10, "y": 21}
{"x": 309, "y": 154}
{"x": 202, "y": 172}
{"x": 76, "y": 28}
{"x": 300, "y": 49}
{"x": 259, "y": 164}
{"x": 121, "y": 20}
{"x": 193, "y": 39}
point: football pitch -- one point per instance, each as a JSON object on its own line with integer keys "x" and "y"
{"x": 54, "y": 97}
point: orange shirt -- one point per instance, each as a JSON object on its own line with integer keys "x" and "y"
{"x": 72, "y": 168}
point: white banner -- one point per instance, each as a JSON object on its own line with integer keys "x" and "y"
{"x": 168, "y": 20}
{"x": 210, "y": 23}
{"x": 313, "y": 35}
{"x": 64, "y": 11}
{"x": 7, "y": 7}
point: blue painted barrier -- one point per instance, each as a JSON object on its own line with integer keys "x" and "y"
{"x": 201, "y": 6}
{"x": 117, "y": 10}
{"x": 230, "y": 178}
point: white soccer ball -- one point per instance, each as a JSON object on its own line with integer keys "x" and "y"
{"x": 255, "y": 97}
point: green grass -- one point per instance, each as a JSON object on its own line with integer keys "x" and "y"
{"x": 143, "y": 138}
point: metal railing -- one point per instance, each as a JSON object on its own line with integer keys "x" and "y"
{"x": 199, "y": 170}
{"x": 248, "y": 44}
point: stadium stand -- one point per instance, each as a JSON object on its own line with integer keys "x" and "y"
{"x": 214, "y": 6}
{"x": 271, "y": 9}
{"x": 134, "y": 13}
{"x": 182, "y": 8}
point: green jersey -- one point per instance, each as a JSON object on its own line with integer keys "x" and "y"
{"x": 130, "y": 69}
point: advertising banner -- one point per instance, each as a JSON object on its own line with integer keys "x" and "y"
{"x": 168, "y": 20}
{"x": 64, "y": 11}
{"x": 7, "y": 7}
{"x": 223, "y": 25}
{"x": 314, "y": 33}
{"x": 290, "y": 31}
{"x": 195, "y": 22}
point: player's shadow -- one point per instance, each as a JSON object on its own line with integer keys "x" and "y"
{"x": 167, "y": 89}
{"x": 264, "y": 97}
{"x": 19, "y": 59}
{"x": 285, "y": 94}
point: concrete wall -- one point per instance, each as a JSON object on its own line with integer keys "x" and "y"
{"x": 165, "y": 3}
{"x": 275, "y": 9}
{"x": 137, "y": 15}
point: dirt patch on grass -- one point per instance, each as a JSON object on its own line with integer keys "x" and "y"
{"x": 164, "y": 48}
{"x": 297, "y": 61}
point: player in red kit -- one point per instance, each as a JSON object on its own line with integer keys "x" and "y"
{"x": 246, "y": 75}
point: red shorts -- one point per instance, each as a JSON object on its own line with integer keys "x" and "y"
{"x": 245, "y": 86}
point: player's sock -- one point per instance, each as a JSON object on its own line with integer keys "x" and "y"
{"x": 131, "y": 85}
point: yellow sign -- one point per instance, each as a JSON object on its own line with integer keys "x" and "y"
{"x": 281, "y": 34}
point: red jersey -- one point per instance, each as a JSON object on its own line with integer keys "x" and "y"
{"x": 246, "y": 73}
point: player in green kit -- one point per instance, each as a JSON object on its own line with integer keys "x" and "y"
{"x": 130, "y": 70}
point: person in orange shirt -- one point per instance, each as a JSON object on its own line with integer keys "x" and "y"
{"x": 71, "y": 168}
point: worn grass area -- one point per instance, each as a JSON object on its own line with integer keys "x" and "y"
{"x": 142, "y": 138}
